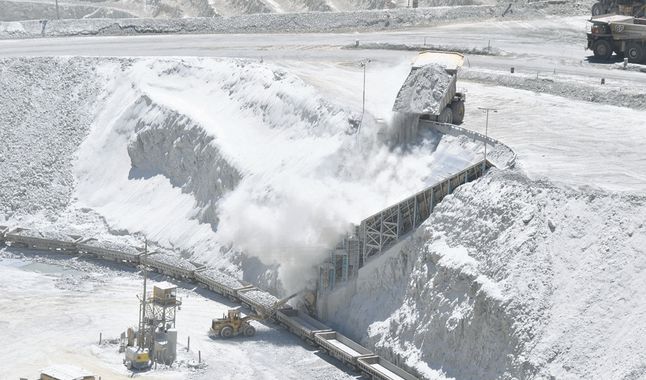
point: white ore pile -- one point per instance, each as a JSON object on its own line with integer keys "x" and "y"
{"x": 511, "y": 278}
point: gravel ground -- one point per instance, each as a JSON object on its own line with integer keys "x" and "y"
{"x": 40, "y": 133}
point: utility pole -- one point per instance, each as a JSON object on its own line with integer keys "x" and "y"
{"x": 363, "y": 64}
{"x": 58, "y": 16}
{"x": 486, "y": 110}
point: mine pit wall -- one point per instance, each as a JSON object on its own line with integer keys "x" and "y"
{"x": 311, "y": 22}
{"x": 173, "y": 145}
{"x": 20, "y": 10}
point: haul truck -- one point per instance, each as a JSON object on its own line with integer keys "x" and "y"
{"x": 623, "y": 35}
{"x": 421, "y": 93}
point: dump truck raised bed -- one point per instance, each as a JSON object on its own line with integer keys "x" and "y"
{"x": 301, "y": 324}
{"x": 623, "y": 35}
{"x": 341, "y": 347}
{"x": 430, "y": 90}
{"x": 375, "y": 367}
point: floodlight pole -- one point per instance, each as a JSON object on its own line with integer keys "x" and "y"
{"x": 486, "y": 110}
{"x": 363, "y": 64}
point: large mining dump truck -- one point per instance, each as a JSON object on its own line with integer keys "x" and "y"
{"x": 430, "y": 89}
{"x": 623, "y": 35}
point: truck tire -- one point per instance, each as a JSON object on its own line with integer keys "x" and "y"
{"x": 457, "y": 109}
{"x": 226, "y": 332}
{"x": 602, "y": 49}
{"x": 446, "y": 116}
{"x": 597, "y": 9}
{"x": 249, "y": 331}
{"x": 634, "y": 52}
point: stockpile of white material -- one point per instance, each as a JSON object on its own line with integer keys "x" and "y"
{"x": 46, "y": 108}
{"x": 512, "y": 278}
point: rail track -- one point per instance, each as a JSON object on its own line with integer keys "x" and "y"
{"x": 311, "y": 330}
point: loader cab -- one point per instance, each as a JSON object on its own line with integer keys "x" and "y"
{"x": 234, "y": 314}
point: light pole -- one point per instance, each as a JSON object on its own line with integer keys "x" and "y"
{"x": 363, "y": 64}
{"x": 58, "y": 16}
{"x": 486, "y": 110}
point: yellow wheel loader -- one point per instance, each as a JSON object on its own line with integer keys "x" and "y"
{"x": 233, "y": 323}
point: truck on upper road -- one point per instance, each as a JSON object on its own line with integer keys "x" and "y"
{"x": 623, "y": 35}
{"x": 430, "y": 90}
